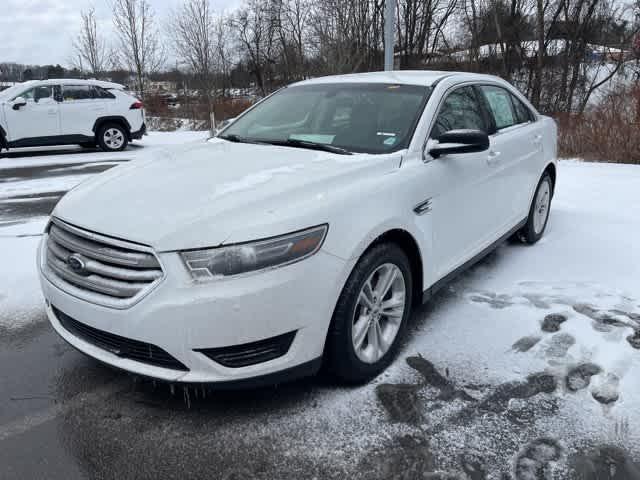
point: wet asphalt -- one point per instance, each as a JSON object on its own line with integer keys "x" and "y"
{"x": 65, "y": 416}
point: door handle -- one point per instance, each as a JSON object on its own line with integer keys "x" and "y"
{"x": 493, "y": 157}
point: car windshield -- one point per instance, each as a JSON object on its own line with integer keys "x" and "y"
{"x": 352, "y": 117}
{"x": 11, "y": 92}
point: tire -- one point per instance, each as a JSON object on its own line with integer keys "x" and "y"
{"x": 537, "y": 223}
{"x": 112, "y": 137}
{"x": 343, "y": 360}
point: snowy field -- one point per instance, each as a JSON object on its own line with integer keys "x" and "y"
{"x": 527, "y": 367}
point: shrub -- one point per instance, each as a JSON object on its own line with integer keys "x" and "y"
{"x": 610, "y": 132}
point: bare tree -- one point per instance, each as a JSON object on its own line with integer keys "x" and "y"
{"x": 255, "y": 32}
{"x": 139, "y": 43}
{"x": 90, "y": 48}
{"x": 224, "y": 53}
{"x": 193, "y": 31}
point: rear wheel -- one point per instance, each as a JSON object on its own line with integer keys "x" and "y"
{"x": 370, "y": 315}
{"x": 112, "y": 137}
{"x": 539, "y": 212}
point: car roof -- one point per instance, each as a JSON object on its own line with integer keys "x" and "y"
{"x": 77, "y": 81}
{"x": 408, "y": 77}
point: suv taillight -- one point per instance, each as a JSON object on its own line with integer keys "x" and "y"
{"x": 136, "y": 106}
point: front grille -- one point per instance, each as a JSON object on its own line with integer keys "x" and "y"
{"x": 99, "y": 269}
{"x": 120, "y": 346}
{"x": 250, "y": 353}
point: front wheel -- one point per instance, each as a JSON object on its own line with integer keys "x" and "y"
{"x": 538, "y": 212}
{"x": 370, "y": 315}
{"x": 112, "y": 137}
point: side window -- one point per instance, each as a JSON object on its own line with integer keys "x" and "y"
{"x": 74, "y": 93}
{"x": 523, "y": 114}
{"x": 36, "y": 94}
{"x": 500, "y": 105}
{"x": 100, "y": 92}
{"x": 460, "y": 110}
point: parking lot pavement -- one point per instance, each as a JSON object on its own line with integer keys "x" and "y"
{"x": 521, "y": 369}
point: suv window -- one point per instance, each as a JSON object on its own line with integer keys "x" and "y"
{"x": 500, "y": 105}
{"x": 72, "y": 93}
{"x": 100, "y": 92}
{"x": 38, "y": 93}
{"x": 460, "y": 110}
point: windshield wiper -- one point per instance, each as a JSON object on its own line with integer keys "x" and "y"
{"x": 325, "y": 147}
{"x": 232, "y": 137}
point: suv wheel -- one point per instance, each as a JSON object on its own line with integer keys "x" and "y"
{"x": 112, "y": 137}
{"x": 370, "y": 315}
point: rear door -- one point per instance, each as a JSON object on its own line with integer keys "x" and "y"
{"x": 515, "y": 146}
{"x": 462, "y": 208}
{"x": 38, "y": 118}
{"x": 79, "y": 110}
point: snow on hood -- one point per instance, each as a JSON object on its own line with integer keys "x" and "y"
{"x": 203, "y": 194}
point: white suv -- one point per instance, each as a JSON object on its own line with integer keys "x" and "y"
{"x": 304, "y": 233}
{"x": 64, "y": 112}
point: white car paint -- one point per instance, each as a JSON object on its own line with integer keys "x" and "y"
{"x": 222, "y": 193}
{"x": 53, "y": 121}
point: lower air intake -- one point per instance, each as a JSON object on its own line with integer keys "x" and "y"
{"x": 120, "y": 346}
{"x": 250, "y": 353}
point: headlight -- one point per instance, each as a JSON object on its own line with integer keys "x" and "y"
{"x": 220, "y": 262}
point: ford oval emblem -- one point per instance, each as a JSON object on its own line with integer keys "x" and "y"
{"x": 77, "y": 264}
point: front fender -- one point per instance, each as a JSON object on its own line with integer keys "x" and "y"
{"x": 361, "y": 218}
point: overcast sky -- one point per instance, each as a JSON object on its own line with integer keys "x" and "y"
{"x": 42, "y": 31}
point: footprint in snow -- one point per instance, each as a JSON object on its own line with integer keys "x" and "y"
{"x": 535, "y": 460}
{"x": 604, "y": 462}
{"x": 606, "y": 392}
{"x": 634, "y": 339}
{"x": 579, "y": 377}
{"x": 559, "y": 345}
{"x": 525, "y": 343}
{"x": 552, "y": 322}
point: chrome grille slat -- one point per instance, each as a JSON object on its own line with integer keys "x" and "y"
{"x": 96, "y": 283}
{"x": 104, "y": 253}
{"x": 113, "y": 273}
{"x": 94, "y": 266}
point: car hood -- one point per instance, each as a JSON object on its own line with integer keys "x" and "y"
{"x": 216, "y": 192}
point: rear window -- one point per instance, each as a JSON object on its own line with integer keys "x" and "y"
{"x": 100, "y": 92}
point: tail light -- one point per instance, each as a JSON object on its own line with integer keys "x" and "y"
{"x": 136, "y": 106}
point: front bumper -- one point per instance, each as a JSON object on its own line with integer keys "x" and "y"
{"x": 181, "y": 316}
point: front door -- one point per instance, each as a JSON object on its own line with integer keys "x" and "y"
{"x": 462, "y": 205}
{"x": 40, "y": 117}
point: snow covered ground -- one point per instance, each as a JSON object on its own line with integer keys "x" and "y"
{"x": 529, "y": 363}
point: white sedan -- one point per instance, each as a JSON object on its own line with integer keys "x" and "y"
{"x": 303, "y": 234}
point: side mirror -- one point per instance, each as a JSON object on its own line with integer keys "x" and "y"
{"x": 460, "y": 141}
{"x": 19, "y": 102}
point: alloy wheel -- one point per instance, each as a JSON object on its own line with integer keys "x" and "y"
{"x": 113, "y": 138}
{"x": 378, "y": 313}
